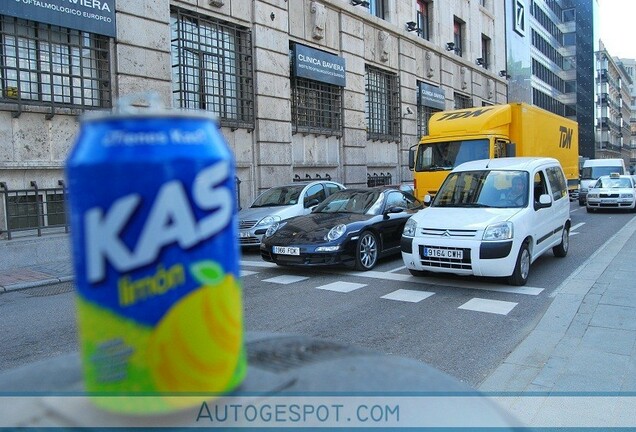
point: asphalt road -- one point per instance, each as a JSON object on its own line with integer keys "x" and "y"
{"x": 463, "y": 326}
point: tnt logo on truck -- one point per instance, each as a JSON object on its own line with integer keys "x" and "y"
{"x": 463, "y": 114}
{"x": 566, "y": 137}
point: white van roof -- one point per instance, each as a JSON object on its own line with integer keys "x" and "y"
{"x": 509, "y": 163}
{"x": 604, "y": 162}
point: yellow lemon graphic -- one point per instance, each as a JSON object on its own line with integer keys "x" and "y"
{"x": 196, "y": 347}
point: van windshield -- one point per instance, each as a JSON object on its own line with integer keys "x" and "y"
{"x": 447, "y": 155}
{"x": 593, "y": 173}
{"x": 486, "y": 188}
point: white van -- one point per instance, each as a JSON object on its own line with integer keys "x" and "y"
{"x": 483, "y": 223}
{"x": 593, "y": 169}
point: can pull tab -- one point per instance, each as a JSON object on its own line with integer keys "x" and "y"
{"x": 136, "y": 101}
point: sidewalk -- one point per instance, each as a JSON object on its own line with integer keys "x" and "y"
{"x": 585, "y": 344}
{"x": 36, "y": 275}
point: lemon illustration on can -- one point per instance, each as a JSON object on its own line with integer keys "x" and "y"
{"x": 198, "y": 345}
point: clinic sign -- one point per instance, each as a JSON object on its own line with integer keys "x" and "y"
{"x": 431, "y": 96}
{"x": 318, "y": 65}
{"x": 93, "y": 16}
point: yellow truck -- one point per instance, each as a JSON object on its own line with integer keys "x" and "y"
{"x": 514, "y": 129}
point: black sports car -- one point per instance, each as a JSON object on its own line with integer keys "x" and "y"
{"x": 352, "y": 226}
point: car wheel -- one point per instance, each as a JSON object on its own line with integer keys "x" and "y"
{"x": 519, "y": 276}
{"x": 561, "y": 249}
{"x": 581, "y": 203}
{"x": 366, "y": 251}
{"x": 419, "y": 273}
{"x": 589, "y": 210}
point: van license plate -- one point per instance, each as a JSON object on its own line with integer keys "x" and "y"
{"x": 444, "y": 253}
{"x": 286, "y": 250}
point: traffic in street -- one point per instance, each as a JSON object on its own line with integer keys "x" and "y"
{"x": 464, "y": 326}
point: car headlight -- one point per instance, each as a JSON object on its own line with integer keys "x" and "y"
{"x": 627, "y": 195}
{"x": 592, "y": 195}
{"x": 410, "y": 228}
{"x": 500, "y": 231}
{"x": 272, "y": 230}
{"x": 336, "y": 232}
{"x": 268, "y": 220}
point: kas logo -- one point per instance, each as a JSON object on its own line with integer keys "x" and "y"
{"x": 566, "y": 137}
{"x": 519, "y": 18}
{"x": 170, "y": 220}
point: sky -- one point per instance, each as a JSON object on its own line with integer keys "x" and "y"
{"x": 617, "y": 21}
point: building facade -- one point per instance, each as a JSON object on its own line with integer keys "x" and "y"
{"x": 613, "y": 108}
{"x": 629, "y": 65}
{"x": 550, "y": 51}
{"x": 302, "y": 88}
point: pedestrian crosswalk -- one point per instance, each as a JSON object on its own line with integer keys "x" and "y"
{"x": 406, "y": 295}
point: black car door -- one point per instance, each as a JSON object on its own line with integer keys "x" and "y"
{"x": 392, "y": 224}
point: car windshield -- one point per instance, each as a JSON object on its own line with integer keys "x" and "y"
{"x": 593, "y": 173}
{"x": 492, "y": 189}
{"x": 350, "y": 201}
{"x": 279, "y": 196}
{"x": 447, "y": 155}
{"x": 613, "y": 183}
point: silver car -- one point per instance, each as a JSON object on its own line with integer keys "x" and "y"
{"x": 280, "y": 203}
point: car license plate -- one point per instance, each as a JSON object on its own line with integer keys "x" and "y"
{"x": 286, "y": 250}
{"x": 610, "y": 201}
{"x": 444, "y": 253}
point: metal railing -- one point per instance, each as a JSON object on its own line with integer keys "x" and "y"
{"x": 36, "y": 209}
{"x": 379, "y": 179}
{"x": 298, "y": 178}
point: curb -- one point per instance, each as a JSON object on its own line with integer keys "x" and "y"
{"x": 34, "y": 284}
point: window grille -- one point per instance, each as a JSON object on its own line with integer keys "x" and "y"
{"x": 43, "y": 64}
{"x": 316, "y": 107}
{"x": 424, "y": 114}
{"x": 212, "y": 68}
{"x": 462, "y": 101}
{"x": 33, "y": 210}
{"x": 382, "y": 105}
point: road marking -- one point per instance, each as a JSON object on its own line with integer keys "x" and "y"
{"x": 263, "y": 264}
{"x": 343, "y": 287}
{"x": 526, "y": 290}
{"x": 396, "y": 269}
{"x": 489, "y": 306}
{"x": 578, "y": 225}
{"x": 247, "y": 273}
{"x": 411, "y": 296}
{"x": 286, "y": 279}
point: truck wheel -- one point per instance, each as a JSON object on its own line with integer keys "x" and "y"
{"x": 561, "y": 249}
{"x": 366, "y": 251}
{"x": 520, "y": 275}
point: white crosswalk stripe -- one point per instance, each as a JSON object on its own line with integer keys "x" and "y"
{"x": 490, "y": 306}
{"x": 343, "y": 287}
{"x": 286, "y": 279}
{"x": 411, "y": 296}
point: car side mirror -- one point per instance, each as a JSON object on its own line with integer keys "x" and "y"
{"x": 311, "y": 203}
{"x": 545, "y": 201}
{"x": 427, "y": 200}
{"x": 393, "y": 209}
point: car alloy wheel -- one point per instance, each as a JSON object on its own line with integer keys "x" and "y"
{"x": 561, "y": 249}
{"x": 521, "y": 272}
{"x": 366, "y": 251}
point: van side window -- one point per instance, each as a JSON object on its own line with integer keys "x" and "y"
{"x": 557, "y": 183}
{"x": 540, "y": 186}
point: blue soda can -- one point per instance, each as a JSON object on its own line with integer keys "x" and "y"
{"x": 154, "y": 233}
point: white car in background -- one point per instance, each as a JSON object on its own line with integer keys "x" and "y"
{"x": 613, "y": 191}
{"x": 280, "y": 203}
{"x": 477, "y": 226}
